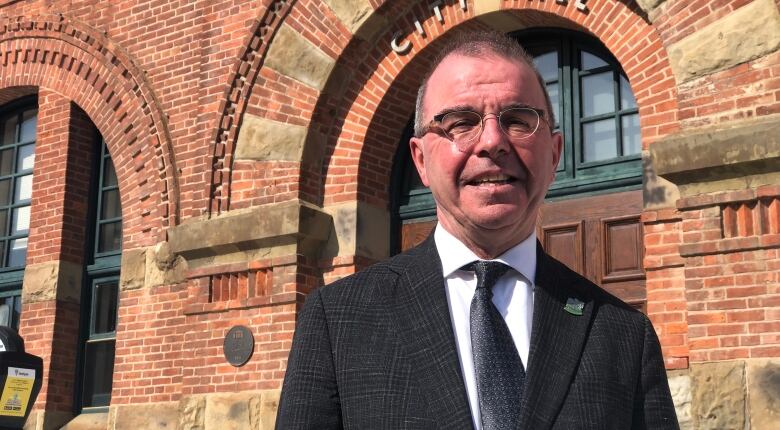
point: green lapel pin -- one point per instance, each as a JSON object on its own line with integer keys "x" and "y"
{"x": 574, "y": 306}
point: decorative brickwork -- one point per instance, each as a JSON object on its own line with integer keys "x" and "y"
{"x": 72, "y": 59}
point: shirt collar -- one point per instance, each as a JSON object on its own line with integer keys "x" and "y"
{"x": 454, "y": 254}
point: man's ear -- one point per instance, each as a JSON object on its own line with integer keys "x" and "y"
{"x": 418, "y": 156}
{"x": 557, "y": 148}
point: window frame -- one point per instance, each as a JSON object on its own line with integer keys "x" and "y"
{"x": 11, "y": 278}
{"x": 578, "y": 178}
{"x": 102, "y": 267}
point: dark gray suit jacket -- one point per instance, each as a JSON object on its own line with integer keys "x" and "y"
{"x": 376, "y": 350}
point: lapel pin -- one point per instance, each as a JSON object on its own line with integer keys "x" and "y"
{"x": 574, "y": 306}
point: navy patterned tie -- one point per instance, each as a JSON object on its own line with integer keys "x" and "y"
{"x": 497, "y": 365}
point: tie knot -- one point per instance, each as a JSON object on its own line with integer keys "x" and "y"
{"x": 487, "y": 272}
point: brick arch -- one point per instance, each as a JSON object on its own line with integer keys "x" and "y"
{"x": 80, "y": 63}
{"x": 365, "y": 134}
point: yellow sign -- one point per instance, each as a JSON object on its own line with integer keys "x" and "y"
{"x": 16, "y": 392}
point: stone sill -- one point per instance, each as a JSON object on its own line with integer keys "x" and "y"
{"x": 241, "y": 304}
{"x": 723, "y": 151}
{"x": 734, "y": 244}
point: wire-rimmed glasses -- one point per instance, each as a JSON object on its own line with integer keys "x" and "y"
{"x": 463, "y": 128}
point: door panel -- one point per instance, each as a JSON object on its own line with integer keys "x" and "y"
{"x": 601, "y": 238}
{"x": 414, "y": 232}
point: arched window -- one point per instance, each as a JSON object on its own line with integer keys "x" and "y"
{"x": 18, "y": 123}
{"x": 595, "y": 112}
{"x": 101, "y": 289}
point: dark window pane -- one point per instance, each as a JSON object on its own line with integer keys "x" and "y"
{"x": 2, "y": 253}
{"x": 6, "y": 162}
{"x": 111, "y": 207}
{"x": 598, "y": 94}
{"x": 9, "y": 131}
{"x": 627, "y": 100}
{"x": 23, "y": 189}
{"x": 547, "y": 64}
{"x": 105, "y": 308}
{"x": 590, "y": 61}
{"x": 29, "y": 121}
{"x": 25, "y": 158}
{"x": 110, "y": 237}
{"x": 17, "y": 252}
{"x": 5, "y": 192}
{"x": 98, "y": 371}
{"x": 109, "y": 174}
{"x": 3, "y": 221}
{"x": 555, "y": 100}
{"x": 632, "y": 141}
{"x": 599, "y": 140}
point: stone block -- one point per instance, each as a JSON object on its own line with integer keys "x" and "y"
{"x": 680, "y": 386}
{"x": 486, "y": 6}
{"x": 353, "y": 13}
{"x": 745, "y": 149}
{"x": 147, "y": 416}
{"x": 164, "y": 267}
{"x": 269, "y": 230}
{"x": 54, "y": 420}
{"x": 657, "y": 192}
{"x": 133, "y": 274}
{"x": 192, "y": 410}
{"x": 232, "y": 411}
{"x": 649, "y": 5}
{"x": 60, "y": 280}
{"x": 743, "y": 35}
{"x": 355, "y": 220}
{"x": 293, "y": 55}
{"x": 718, "y": 395}
{"x": 763, "y": 386}
{"x": 267, "y": 140}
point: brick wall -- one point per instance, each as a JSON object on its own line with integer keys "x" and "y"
{"x": 169, "y": 85}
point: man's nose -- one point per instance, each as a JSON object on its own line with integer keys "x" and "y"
{"x": 493, "y": 140}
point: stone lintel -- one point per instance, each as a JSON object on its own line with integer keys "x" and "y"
{"x": 293, "y": 55}
{"x": 296, "y": 226}
{"x": 743, "y": 35}
{"x": 54, "y": 420}
{"x": 727, "y": 152}
{"x": 52, "y": 280}
{"x": 353, "y": 220}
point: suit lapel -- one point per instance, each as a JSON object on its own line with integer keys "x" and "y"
{"x": 425, "y": 329}
{"x": 557, "y": 340}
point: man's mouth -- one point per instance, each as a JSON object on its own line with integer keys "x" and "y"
{"x": 492, "y": 180}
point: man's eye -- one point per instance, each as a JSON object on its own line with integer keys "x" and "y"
{"x": 460, "y": 125}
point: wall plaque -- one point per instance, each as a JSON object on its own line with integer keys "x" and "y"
{"x": 238, "y": 346}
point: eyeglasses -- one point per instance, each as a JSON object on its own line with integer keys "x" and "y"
{"x": 464, "y": 127}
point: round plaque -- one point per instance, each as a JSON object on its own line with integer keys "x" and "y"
{"x": 239, "y": 345}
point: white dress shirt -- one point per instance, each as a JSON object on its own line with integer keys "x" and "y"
{"x": 513, "y": 296}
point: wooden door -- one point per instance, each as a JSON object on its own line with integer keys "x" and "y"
{"x": 601, "y": 238}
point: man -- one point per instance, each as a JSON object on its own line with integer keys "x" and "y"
{"x": 477, "y": 327}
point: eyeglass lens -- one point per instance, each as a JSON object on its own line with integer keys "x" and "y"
{"x": 463, "y": 127}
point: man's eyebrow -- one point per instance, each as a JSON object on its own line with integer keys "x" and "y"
{"x": 459, "y": 108}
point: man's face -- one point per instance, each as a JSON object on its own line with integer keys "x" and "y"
{"x": 488, "y": 195}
